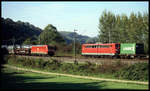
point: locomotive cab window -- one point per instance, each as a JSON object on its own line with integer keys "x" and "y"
{"x": 117, "y": 45}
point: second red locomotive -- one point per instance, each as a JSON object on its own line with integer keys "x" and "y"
{"x": 100, "y": 49}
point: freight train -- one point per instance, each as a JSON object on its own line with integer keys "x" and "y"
{"x": 30, "y": 49}
{"x": 113, "y": 50}
{"x": 119, "y": 50}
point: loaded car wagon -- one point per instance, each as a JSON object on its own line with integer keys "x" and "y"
{"x": 23, "y": 50}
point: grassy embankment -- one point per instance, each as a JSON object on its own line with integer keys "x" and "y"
{"x": 17, "y": 79}
{"x": 117, "y": 70}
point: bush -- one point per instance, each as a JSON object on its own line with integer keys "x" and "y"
{"x": 37, "y": 63}
{"x": 138, "y": 71}
{"x": 47, "y": 64}
{"x": 12, "y": 59}
{"x": 52, "y": 64}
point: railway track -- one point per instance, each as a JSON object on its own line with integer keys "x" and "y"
{"x": 70, "y": 59}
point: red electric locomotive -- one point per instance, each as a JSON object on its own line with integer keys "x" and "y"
{"x": 111, "y": 49}
{"x": 42, "y": 50}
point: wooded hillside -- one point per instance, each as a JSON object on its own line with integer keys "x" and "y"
{"x": 17, "y": 31}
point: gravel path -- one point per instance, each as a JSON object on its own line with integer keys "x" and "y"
{"x": 76, "y": 76}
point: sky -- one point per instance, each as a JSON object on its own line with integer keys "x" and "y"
{"x": 68, "y": 16}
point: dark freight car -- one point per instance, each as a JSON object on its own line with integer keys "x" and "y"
{"x": 139, "y": 48}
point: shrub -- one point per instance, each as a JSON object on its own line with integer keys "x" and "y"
{"x": 12, "y": 59}
{"x": 52, "y": 64}
{"x": 39, "y": 63}
{"x": 138, "y": 71}
{"x": 67, "y": 67}
{"x": 47, "y": 64}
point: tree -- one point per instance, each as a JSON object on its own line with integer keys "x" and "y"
{"x": 50, "y": 36}
{"x": 146, "y": 31}
{"x": 27, "y": 41}
{"x": 124, "y": 29}
{"x": 106, "y": 26}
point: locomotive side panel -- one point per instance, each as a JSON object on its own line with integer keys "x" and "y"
{"x": 42, "y": 49}
{"x": 98, "y": 49}
{"x": 106, "y": 49}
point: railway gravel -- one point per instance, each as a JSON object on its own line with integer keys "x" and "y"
{"x": 92, "y": 60}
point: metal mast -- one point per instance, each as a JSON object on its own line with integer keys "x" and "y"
{"x": 75, "y": 61}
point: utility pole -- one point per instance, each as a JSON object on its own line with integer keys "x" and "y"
{"x": 14, "y": 45}
{"x": 40, "y": 40}
{"x": 75, "y": 61}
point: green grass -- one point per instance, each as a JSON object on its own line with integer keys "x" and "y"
{"x": 106, "y": 75}
{"x": 16, "y": 79}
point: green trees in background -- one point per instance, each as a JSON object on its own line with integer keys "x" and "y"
{"x": 31, "y": 41}
{"x": 50, "y": 35}
{"x": 123, "y": 29}
{"x": 107, "y": 22}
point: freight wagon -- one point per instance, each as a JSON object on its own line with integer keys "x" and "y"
{"x": 23, "y": 50}
{"x": 131, "y": 50}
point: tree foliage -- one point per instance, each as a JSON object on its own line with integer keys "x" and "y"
{"x": 50, "y": 35}
{"x": 124, "y": 29}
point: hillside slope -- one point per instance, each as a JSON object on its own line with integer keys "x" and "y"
{"x": 19, "y": 31}
{"x": 69, "y": 37}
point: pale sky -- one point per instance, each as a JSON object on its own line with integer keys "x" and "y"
{"x": 67, "y": 16}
